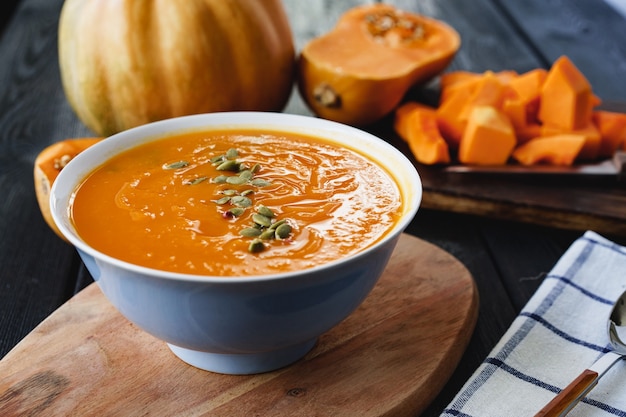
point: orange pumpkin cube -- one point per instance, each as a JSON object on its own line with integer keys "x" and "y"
{"x": 554, "y": 150}
{"x": 488, "y": 139}
{"x": 425, "y": 140}
{"x": 591, "y": 134}
{"x": 612, "y": 127}
{"x": 401, "y": 117}
{"x": 566, "y": 97}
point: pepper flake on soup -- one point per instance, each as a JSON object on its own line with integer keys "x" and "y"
{"x": 235, "y": 203}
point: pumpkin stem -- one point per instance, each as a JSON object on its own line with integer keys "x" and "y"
{"x": 326, "y": 96}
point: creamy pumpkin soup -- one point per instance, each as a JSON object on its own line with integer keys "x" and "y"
{"x": 235, "y": 203}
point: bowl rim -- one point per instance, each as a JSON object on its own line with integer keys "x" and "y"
{"x": 76, "y": 170}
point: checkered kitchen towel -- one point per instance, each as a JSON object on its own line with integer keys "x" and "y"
{"x": 560, "y": 332}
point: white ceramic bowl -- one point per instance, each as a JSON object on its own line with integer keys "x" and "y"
{"x": 249, "y": 324}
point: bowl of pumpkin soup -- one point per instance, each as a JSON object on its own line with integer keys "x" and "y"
{"x": 237, "y": 238}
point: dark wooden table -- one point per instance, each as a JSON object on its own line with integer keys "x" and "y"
{"x": 506, "y": 257}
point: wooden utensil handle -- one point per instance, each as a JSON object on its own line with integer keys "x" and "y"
{"x": 570, "y": 395}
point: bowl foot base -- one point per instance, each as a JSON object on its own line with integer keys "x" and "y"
{"x": 243, "y": 363}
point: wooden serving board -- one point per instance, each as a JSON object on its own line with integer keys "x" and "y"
{"x": 390, "y": 357}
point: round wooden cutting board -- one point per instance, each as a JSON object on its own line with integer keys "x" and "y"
{"x": 390, "y": 357}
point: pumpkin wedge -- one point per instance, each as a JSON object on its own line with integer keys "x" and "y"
{"x": 49, "y": 162}
{"x": 359, "y": 72}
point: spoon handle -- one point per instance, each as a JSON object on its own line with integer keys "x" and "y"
{"x": 579, "y": 388}
{"x": 570, "y": 395}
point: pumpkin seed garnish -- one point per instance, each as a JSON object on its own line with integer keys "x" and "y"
{"x": 229, "y": 192}
{"x": 222, "y": 201}
{"x": 220, "y": 179}
{"x": 256, "y": 245}
{"x": 176, "y": 165}
{"x": 277, "y": 223}
{"x": 237, "y": 211}
{"x": 283, "y": 231}
{"x": 196, "y": 181}
{"x": 236, "y": 180}
{"x": 241, "y": 201}
{"x": 246, "y": 192}
{"x": 261, "y": 220}
{"x": 232, "y": 153}
{"x": 265, "y": 211}
{"x": 267, "y": 235}
{"x": 250, "y": 232}
{"x": 229, "y": 165}
{"x": 260, "y": 182}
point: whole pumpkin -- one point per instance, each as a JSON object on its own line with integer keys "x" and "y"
{"x": 125, "y": 63}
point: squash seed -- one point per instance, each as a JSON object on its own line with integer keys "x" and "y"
{"x": 196, "y": 181}
{"x": 267, "y": 235}
{"x": 278, "y": 223}
{"x": 222, "y": 201}
{"x": 176, "y": 165}
{"x": 250, "y": 232}
{"x": 232, "y": 153}
{"x": 261, "y": 220}
{"x": 265, "y": 211}
{"x": 236, "y": 180}
{"x": 247, "y": 192}
{"x": 229, "y": 192}
{"x": 283, "y": 231}
{"x": 260, "y": 182}
{"x": 237, "y": 211}
{"x": 229, "y": 165}
{"x": 220, "y": 179}
{"x": 256, "y": 245}
{"x": 241, "y": 201}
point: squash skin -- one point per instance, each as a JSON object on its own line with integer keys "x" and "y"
{"x": 47, "y": 166}
{"x": 127, "y": 63}
{"x": 367, "y": 76}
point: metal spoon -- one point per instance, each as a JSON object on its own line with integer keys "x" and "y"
{"x": 588, "y": 379}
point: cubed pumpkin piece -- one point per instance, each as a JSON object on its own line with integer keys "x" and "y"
{"x": 454, "y": 77}
{"x": 612, "y": 127}
{"x": 488, "y": 139}
{"x": 528, "y": 87}
{"x": 553, "y": 150}
{"x": 450, "y": 124}
{"x": 590, "y": 132}
{"x": 489, "y": 91}
{"x": 566, "y": 97}
{"x": 425, "y": 140}
{"x": 402, "y": 114}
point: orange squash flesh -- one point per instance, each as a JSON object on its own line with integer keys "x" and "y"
{"x": 555, "y": 150}
{"x": 359, "y": 72}
{"x": 538, "y": 103}
{"x": 566, "y": 97}
{"x": 417, "y": 125}
{"x": 612, "y": 127}
{"x": 489, "y": 91}
{"x": 590, "y": 132}
{"x": 401, "y": 124}
{"x": 49, "y": 162}
{"x": 488, "y": 139}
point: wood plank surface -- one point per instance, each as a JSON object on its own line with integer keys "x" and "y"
{"x": 390, "y": 357}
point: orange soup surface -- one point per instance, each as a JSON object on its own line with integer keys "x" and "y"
{"x": 235, "y": 203}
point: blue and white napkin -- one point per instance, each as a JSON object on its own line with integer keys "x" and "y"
{"x": 559, "y": 333}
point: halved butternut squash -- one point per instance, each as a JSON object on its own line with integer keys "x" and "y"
{"x": 49, "y": 162}
{"x": 359, "y": 72}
